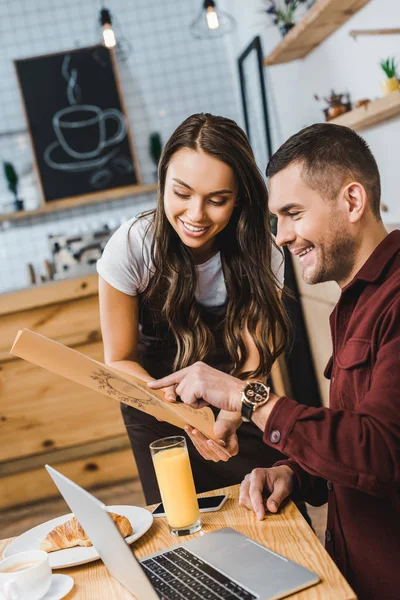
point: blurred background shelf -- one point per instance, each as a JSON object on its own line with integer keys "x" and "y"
{"x": 51, "y": 207}
{"x": 357, "y": 32}
{"x": 320, "y": 21}
{"x": 375, "y": 112}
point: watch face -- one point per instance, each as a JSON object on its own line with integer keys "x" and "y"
{"x": 256, "y": 392}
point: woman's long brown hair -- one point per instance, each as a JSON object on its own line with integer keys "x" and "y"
{"x": 245, "y": 244}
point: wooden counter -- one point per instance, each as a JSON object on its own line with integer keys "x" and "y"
{"x": 48, "y": 293}
{"x": 45, "y": 418}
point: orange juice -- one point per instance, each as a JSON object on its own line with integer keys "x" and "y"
{"x": 175, "y": 480}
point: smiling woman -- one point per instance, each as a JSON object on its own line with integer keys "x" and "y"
{"x": 199, "y": 278}
{"x": 199, "y": 211}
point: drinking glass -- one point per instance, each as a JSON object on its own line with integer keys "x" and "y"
{"x": 175, "y": 480}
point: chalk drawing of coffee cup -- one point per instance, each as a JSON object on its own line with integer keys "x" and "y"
{"x": 81, "y": 129}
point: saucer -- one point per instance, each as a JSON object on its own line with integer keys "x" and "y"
{"x": 56, "y": 158}
{"x": 60, "y": 586}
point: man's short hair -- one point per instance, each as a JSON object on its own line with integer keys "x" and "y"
{"x": 330, "y": 155}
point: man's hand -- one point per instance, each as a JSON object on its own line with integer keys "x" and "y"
{"x": 277, "y": 481}
{"x": 224, "y": 431}
{"x": 199, "y": 385}
{"x": 170, "y": 396}
{"x": 169, "y": 393}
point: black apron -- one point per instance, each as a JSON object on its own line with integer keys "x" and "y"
{"x": 157, "y": 356}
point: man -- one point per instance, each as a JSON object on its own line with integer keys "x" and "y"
{"x": 325, "y": 191}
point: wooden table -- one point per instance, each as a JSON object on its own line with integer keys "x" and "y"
{"x": 286, "y": 533}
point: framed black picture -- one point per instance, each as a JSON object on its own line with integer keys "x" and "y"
{"x": 255, "y": 102}
{"x": 78, "y": 127}
{"x": 297, "y": 369}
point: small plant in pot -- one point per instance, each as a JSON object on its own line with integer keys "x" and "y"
{"x": 337, "y": 104}
{"x": 391, "y": 84}
{"x": 12, "y": 180}
{"x": 282, "y": 13}
{"x": 155, "y": 148}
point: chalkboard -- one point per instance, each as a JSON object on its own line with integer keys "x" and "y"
{"x": 78, "y": 127}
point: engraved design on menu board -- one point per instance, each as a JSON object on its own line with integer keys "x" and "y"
{"x": 123, "y": 391}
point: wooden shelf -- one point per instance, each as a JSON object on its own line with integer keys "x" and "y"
{"x": 356, "y": 32}
{"x": 318, "y": 23}
{"x": 375, "y": 112}
{"x": 51, "y": 207}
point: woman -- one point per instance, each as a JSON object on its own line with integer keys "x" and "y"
{"x": 199, "y": 278}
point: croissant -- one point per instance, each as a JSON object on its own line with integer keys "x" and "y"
{"x": 71, "y": 534}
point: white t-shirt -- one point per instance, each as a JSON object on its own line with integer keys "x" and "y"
{"x": 126, "y": 260}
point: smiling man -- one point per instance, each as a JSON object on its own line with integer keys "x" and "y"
{"x": 325, "y": 191}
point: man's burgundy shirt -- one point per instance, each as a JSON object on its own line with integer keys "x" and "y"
{"x": 349, "y": 454}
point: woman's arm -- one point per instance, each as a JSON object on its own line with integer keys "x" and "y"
{"x": 252, "y": 361}
{"x": 119, "y": 318}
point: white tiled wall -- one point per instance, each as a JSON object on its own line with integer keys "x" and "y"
{"x": 168, "y": 76}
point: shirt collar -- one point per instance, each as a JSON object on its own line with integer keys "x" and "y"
{"x": 372, "y": 269}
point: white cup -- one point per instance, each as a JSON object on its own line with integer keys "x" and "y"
{"x": 25, "y": 576}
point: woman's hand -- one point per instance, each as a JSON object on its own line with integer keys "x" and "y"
{"x": 224, "y": 431}
{"x": 277, "y": 481}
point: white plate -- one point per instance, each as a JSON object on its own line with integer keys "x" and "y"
{"x": 140, "y": 519}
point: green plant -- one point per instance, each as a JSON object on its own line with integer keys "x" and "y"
{"x": 282, "y": 12}
{"x": 389, "y": 66}
{"x": 11, "y": 177}
{"x": 155, "y": 147}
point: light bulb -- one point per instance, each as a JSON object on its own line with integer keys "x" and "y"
{"x": 108, "y": 36}
{"x": 107, "y": 31}
{"x": 211, "y": 24}
{"x": 212, "y": 18}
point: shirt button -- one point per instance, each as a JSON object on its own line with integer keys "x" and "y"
{"x": 333, "y": 379}
{"x": 329, "y": 485}
{"x": 328, "y": 535}
{"x": 275, "y": 436}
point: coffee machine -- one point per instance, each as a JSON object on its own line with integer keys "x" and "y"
{"x": 77, "y": 255}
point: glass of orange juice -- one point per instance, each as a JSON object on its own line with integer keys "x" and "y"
{"x": 175, "y": 480}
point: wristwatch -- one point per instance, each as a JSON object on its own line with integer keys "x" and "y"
{"x": 255, "y": 394}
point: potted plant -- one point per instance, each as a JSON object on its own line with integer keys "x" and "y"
{"x": 12, "y": 179}
{"x": 391, "y": 84}
{"x": 155, "y": 148}
{"x": 338, "y": 104}
{"x": 282, "y": 13}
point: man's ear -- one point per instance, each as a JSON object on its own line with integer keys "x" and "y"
{"x": 356, "y": 201}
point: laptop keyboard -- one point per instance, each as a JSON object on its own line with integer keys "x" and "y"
{"x": 178, "y": 574}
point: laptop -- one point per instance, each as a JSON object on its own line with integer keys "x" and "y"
{"x": 224, "y": 564}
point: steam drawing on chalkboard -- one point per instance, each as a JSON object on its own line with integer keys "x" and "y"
{"x": 82, "y": 142}
{"x": 71, "y": 76}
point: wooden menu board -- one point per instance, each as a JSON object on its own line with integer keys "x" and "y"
{"x": 115, "y": 384}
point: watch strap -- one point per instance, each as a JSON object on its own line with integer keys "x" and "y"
{"x": 247, "y": 411}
